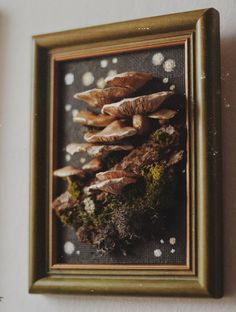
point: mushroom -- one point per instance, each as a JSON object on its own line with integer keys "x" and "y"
{"x": 94, "y": 150}
{"x": 132, "y": 80}
{"x": 64, "y": 201}
{"x": 114, "y": 174}
{"x": 69, "y": 171}
{"x": 93, "y": 166}
{"x": 141, "y": 123}
{"x": 135, "y": 106}
{"x": 163, "y": 114}
{"x": 87, "y": 118}
{"x": 99, "y": 97}
{"x": 113, "y": 186}
{"x": 175, "y": 158}
{"x": 117, "y": 130}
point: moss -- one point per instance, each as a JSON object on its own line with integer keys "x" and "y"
{"x": 74, "y": 189}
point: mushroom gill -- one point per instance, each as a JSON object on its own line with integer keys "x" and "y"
{"x": 163, "y": 114}
{"x": 100, "y": 97}
{"x": 113, "y": 186}
{"x": 116, "y": 131}
{"x": 114, "y": 174}
{"x": 87, "y": 118}
{"x": 137, "y": 106}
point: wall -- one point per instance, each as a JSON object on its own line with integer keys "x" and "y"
{"x": 19, "y": 19}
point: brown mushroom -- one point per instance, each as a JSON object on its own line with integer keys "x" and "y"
{"x": 114, "y": 174}
{"x": 113, "y": 186}
{"x": 132, "y": 80}
{"x": 163, "y": 114}
{"x": 141, "y": 123}
{"x": 117, "y": 130}
{"x": 94, "y": 150}
{"x": 64, "y": 201}
{"x": 69, "y": 171}
{"x": 93, "y": 166}
{"x": 175, "y": 158}
{"x": 87, "y": 118}
{"x": 136, "y": 106}
{"x": 99, "y": 97}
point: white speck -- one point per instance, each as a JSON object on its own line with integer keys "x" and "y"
{"x": 78, "y": 252}
{"x": 115, "y": 60}
{"x": 183, "y": 171}
{"x": 172, "y": 251}
{"x": 172, "y": 87}
{"x": 215, "y": 153}
{"x": 82, "y": 160}
{"x": 104, "y": 63}
{"x": 165, "y": 80}
{"x": 157, "y": 59}
{"x": 172, "y": 240}
{"x": 225, "y": 76}
{"x": 169, "y": 65}
{"x": 157, "y": 253}
{"x": 87, "y": 79}
{"x": 69, "y": 248}
{"x": 101, "y": 83}
{"x": 162, "y": 241}
{"x": 226, "y": 103}
{"x": 74, "y": 112}
{"x": 111, "y": 73}
{"x": 68, "y": 107}
{"x": 68, "y": 157}
{"x": 69, "y": 79}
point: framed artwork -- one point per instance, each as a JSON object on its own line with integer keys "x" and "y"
{"x": 126, "y": 163}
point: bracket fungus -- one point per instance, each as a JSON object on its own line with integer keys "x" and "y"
{"x": 132, "y": 80}
{"x": 113, "y": 186}
{"x": 116, "y": 131}
{"x": 95, "y": 150}
{"x": 93, "y": 165}
{"x": 68, "y": 172}
{"x": 163, "y": 114}
{"x": 100, "y": 97}
{"x": 87, "y": 118}
{"x": 135, "y": 106}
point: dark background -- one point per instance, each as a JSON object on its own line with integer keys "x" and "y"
{"x": 69, "y": 132}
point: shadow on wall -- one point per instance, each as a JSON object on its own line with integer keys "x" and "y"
{"x": 228, "y": 80}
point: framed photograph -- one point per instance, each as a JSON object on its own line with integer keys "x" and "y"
{"x": 126, "y": 160}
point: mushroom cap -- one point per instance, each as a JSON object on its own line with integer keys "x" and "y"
{"x": 137, "y": 106}
{"x": 114, "y": 174}
{"x": 113, "y": 186}
{"x": 94, "y": 150}
{"x": 99, "y": 97}
{"x": 64, "y": 201}
{"x": 116, "y": 131}
{"x": 163, "y": 114}
{"x": 132, "y": 80}
{"x": 87, "y": 118}
{"x": 141, "y": 123}
{"x": 68, "y": 171}
{"x": 175, "y": 158}
{"x": 93, "y": 166}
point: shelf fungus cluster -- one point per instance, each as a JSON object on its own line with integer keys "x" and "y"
{"x": 135, "y": 149}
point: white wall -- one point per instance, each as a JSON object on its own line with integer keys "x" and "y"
{"x": 19, "y": 20}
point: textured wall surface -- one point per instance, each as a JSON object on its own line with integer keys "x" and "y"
{"x": 19, "y": 20}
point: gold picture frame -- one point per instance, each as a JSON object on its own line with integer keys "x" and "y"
{"x": 198, "y": 33}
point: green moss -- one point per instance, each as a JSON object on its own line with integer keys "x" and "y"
{"x": 74, "y": 189}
